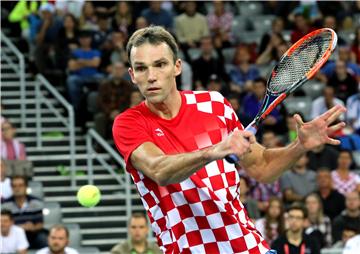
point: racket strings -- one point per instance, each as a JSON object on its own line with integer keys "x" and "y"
{"x": 293, "y": 68}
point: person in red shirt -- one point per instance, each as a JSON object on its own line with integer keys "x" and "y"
{"x": 174, "y": 144}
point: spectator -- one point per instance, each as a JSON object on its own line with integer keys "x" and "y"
{"x": 135, "y": 98}
{"x": 245, "y": 198}
{"x": 118, "y": 54}
{"x": 220, "y": 22}
{"x": 67, "y": 40}
{"x": 141, "y": 22}
{"x": 344, "y": 180}
{"x": 302, "y": 27}
{"x": 330, "y": 22}
{"x": 83, "y": 68}
{"x": 137, "y": 233}
{"x": 104, "y": 30}
{"x": 323, "y": 156}
{"x": 69, "y": 7}
{"x": 333, "y": 202}
{"x": 355, "y": 47}
{"x": 272, "y": 225}
{"x": 352, "y": 246}
{"x": 47, "y": 30}
{"x": 216, "y": 84}
{"x": 295, "y": 240}
{"x": 318, "y": 225}
{"x": 58, "y": 241}
{"x": 5, "y": 184}
{"x": 88, "y": 18}
{"x": 343, "y": 82}
{"x": 325, "y": 102}
{"x": 27, "y": 212}
{"x": 277, "y": 27}
{"x": 353, "y": 112}
{"x": 113, "y": 98}
{"x": 291, "y": 134}
{"x": 12, "y": 238}
{"x": 252, "y": 103}
{"x": 272, "y": 51}
{"x": 155, "y": 15}
{"x": 206, "y": 65}
{"x": 298, "y": 182}
{"x": 348, "y": 232}
{"x": 243, "y": 72}
{"x": 186, "y": 78}
{"x": 350, "y": 216}
{"x": 235, "y": 104}
{"x": 270, "y": 140}
{"x": 11, "y": 147}
{"x": 190, "y": 27}
{"x": 123, "y": 18}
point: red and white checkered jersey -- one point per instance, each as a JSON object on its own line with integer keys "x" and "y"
{"x": 202, "y": 214}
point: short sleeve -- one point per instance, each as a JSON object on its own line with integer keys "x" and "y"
{"x": 22, "y": 243}
{"x": 129, "y": 132}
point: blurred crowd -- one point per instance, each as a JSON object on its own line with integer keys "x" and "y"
{"x": 228, "y": 47}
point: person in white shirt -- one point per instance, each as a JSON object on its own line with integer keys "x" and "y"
{"x": 325, "y": 102}
{"x": 353, "y": 112}
{"x": 352, "y": 245}
{"x": 13, "y": 238}
{"x": 5, "y": 182}
{"x": 58, "y": 241}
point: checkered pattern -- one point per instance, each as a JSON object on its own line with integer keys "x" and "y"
{"x": 345, "y": 186}
{"x": 202, "y": 214}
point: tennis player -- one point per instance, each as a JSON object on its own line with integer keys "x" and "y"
{"x": 174, "y": 144}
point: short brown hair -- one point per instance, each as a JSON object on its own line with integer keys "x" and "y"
{"x": 57, "y": 227}
{"x": 137, "y": 215}
{"x": 154, "y": 35}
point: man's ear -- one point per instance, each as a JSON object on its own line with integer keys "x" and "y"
{"x": 178, "y": 67}
{"x": 131, "y": 72}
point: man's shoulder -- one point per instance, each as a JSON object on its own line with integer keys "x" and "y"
{"x": 16, "y": 230}
{"x": 131, "y": 114}
{"x": 121, "y": 247}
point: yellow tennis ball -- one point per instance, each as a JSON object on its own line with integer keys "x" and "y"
{"x": 88, "y": 195}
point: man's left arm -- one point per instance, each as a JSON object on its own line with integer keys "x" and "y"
{"x": 266, "y": 165}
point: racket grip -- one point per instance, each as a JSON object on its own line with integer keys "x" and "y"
{"x": 232, "y": 158}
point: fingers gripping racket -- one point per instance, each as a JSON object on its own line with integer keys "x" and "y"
{"x": 298, "y": 64}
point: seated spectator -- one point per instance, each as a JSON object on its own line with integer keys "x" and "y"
{"x": 141, "y": 22}
{"x": 12, "y": 238}
{"x": 137, "y": 242}
{"x": 270, "y": 140}
{"x": 88, "y": 18}
{"x": 215, "y": 83}
{"x": 58, "y": 241}
{"x": 135, "y": 98}
{"x": 298, "y": 182}
{"x": 118, "y": 51}
{"x": 155, "y": 15}
{"x": 235, "y": 104}
{"x": 69, "y": 7}
{"x": 343, "y": 82}
{"x": 190, "y": 27}
{"x": 272, "y": 51}
{"x": 245, "y": 198}
{"x": 350, "y": 216}
{"x": 302, "y": 27}
{"x": 27, "y": 212}
{"x": 353, "y": 112}
{"x": 123, "y": 18}
{"x": 206, "y": 65}
{"x": 318, "y": 225}
{"x": 47, "y": 30}
{"x": 330, "y": 22}
{"x": 67, "y": 40}
{"x": 333, "y": 202}
{"x": 352, "y": 246}
{"x": 243, "y": 72}
{"x": 343, "y": 179}
{"x": 272, "y": 225}
{"x": 5, "y": 184}
{"x": 348, "y": 232}
{"x": 252, "y": 103}
{"x": 220, "y": 22}
{"x": 294, "y": 240}
{"x": 101, "y": 35}
{"x": 11, "y": 147}
{"x": 113, "y": 98}
{"x": 83, "y": 68}
{"x": 323, "y": 103}
{"x": 324, "y": 156}
{"x": 277, "y": 27}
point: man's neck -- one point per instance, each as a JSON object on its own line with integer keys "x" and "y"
{"x": 295, "y": 238}
{"x": 58, "y": 252}
{"x": 300, "y": 171}
{"x": 325, "y": 192}
{"x": 140, "y": 247}
{"x": 20, "y": 201}
{"x": 353, "y": 213}
{"x": 167, "y": 109}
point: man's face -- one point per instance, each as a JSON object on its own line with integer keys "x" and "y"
{"x": 259, "y": 89}
{"x": 296, "y": 220}
{"x": 6, "y": 223}
{"x": 8, "y": 131}
{"x": 153, "y": 71}
{"x": 269, "y": 140}
{"x": 344, "y": 160}
{"x": 206, "y": 46}
{"x": 352, "y": 201}
{"x": 138, "y": 229}
{"x": 18, "y": 187}
{"x": 85, "y": 41}
{"x": 57, "y": 240}
{"x": 301, "y": 163}
{"x": 324, "y": 179}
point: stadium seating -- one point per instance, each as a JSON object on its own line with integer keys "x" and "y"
{"x": 35, "y": 188}
{"x": 52, "y": 214}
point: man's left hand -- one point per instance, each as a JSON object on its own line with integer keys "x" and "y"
{"x": 318, "y": 131}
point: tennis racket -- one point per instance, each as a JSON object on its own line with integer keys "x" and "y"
{"x": 298, "y": 64}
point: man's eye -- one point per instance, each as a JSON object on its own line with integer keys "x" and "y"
{"x": 140, "y": 68}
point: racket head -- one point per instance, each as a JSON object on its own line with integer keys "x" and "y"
{"x": 301, "y": 61}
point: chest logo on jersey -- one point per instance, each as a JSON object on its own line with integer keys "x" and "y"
{"x": 159, "y": 132}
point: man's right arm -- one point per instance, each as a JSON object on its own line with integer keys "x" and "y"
{"x": 167, "y": 169}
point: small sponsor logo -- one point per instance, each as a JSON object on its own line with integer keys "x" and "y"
{"x": 159, "y": 132}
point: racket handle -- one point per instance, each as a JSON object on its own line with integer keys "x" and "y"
{"x": 232, "y": 158}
